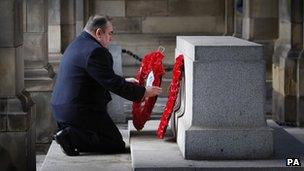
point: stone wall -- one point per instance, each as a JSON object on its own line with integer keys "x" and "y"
{"x": 142, "y": 26}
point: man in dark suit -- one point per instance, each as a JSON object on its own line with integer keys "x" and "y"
{"x": 81, "y": 92}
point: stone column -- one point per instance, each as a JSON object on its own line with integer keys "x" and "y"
{"x": 80, "y": 14}
{"x": 300, "y": 90}
{"x": 238, "y": 18}
{"x": 17, "y": 110}
{"x": 229, "y": 17}
{"x": 297, "y": 40}
{"x": 54, "y": 27}
{"x": 54, "y": 33}
{"x": 37, "y": 75}
{"x": 68, "y": 22}
{"x": 260, "y": 24}
{"x": 288, "y": 47}
{"x": 225, "y": 95}
{"x": 116, "y": 106}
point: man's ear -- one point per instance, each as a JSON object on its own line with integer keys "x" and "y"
{"x": 99, "y": 32}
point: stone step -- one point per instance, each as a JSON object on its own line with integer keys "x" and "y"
{"x": 54, "y": 60}
{"x": 55, "y": 56}
{"x": 151, "y": 154}
{"x": 35, "y": 73}
{"x": 57, "y": 160}
{"x": 55, "y": 65}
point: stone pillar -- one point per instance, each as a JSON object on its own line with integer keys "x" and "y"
{"x": 229, "y": 17}
{"x": 17, "y": 110}
{"x": 238, "y": 18}
{"x": 54, "y": 33}
{"x": 80, "y": 14}
{"x": 116, "y": 106}
{"x": 68, "y": 22}
{"x": 300, "y": 91}
{"x": 260, "y": 24}
{"x": 54, "y": 27}
{"x": 286, "y": 85}
{"x": 300, "y": 66}
{"x": 37, "y": 75}
{"x": 225, "y": 95}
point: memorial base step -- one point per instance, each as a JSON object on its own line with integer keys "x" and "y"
{"x": 150, "y": 154}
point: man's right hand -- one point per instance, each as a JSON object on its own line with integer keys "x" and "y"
{"x": 153, "y": 91}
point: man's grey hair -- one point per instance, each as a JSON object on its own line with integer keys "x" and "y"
{"x": 96, "y": 21}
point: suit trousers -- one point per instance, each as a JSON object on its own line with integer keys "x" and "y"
{"x": 88, "y": 140}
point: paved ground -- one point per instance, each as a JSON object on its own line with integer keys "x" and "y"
{"x": 56, "y": 160}
{"x": 150, "y": 153}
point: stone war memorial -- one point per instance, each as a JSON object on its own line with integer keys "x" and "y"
{"x": 239, "y": 102}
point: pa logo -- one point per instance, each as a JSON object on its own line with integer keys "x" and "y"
{"x": 293, "y": 162}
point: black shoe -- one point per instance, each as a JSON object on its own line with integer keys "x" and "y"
{"x": 61, "y": 138}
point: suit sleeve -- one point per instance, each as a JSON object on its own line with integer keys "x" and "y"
{"x": 99, "y": 66}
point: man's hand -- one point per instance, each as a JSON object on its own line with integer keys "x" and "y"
{"x": 132, "y": 80}
{"x": 152, "y": 91}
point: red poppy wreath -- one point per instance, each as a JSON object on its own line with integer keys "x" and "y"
{"x": 151, "y": 66}
{"x": 173, "y": 91}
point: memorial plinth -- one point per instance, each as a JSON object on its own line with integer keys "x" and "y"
{"x": 224, "y": 99}
{"x": 116, "y": 105}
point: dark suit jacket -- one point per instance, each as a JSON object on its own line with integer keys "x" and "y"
{"x": 84, "y": 80}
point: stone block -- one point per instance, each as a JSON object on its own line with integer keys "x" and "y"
{"x": 38, "y": 84}
{"x": 54, "y": 12}
{"x": 127, "y": 25}
{"x": 270, "y": 28}
{"x": 111, "y": 8}
{"x": 54, "y": 38}
{"x": 196, "y": 8}
{"x": 115, "y": 107}
{"x": 208, "y": 25}
{"x": 244, "y": 51}
{"x": 170, "y": 44}
{"x": 225, "y": 97}
{"x": 13, "y": 150}
{"x": 17, "y": 143}
{"x": 11, "y": 19}
{"x": 240, "y": 106}
{"x": 45, "y": 124}
{"x": 17, "y": 120}
{"x": 8, "y": 72}
{"x": 36, "y": 16}
{"x": 57, "y": 160}
{"x": 67, "y": 35}
{"x": 3, "y": 114}
{"x": 35, "y": 48}
{"x": 268, "y": 49}
{"x": 115, "y": 50}
{"x": 67, "y": 12}
{"x": 19, "y": 69}
{"x": 146, "y": 8}
{"x": 150, "y": 154}
{"x": 264, "y": 9}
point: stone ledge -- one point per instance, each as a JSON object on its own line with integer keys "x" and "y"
{"x": 150, "y": 153}
{"x": 57, "y": 160}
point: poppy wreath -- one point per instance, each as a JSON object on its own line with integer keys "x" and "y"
{"x": 173, "y": 92}
{"x": 142, "y": 110}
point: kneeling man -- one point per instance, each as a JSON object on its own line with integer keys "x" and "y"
{"x": 81, "y": 93}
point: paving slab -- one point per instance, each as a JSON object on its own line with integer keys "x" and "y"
{"x": 149, "y": 153}
{"x": 57, "y": 160}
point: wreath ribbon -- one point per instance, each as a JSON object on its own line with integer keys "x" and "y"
{"x": 142, "y": 110}
{"x": 173, "y": 92}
